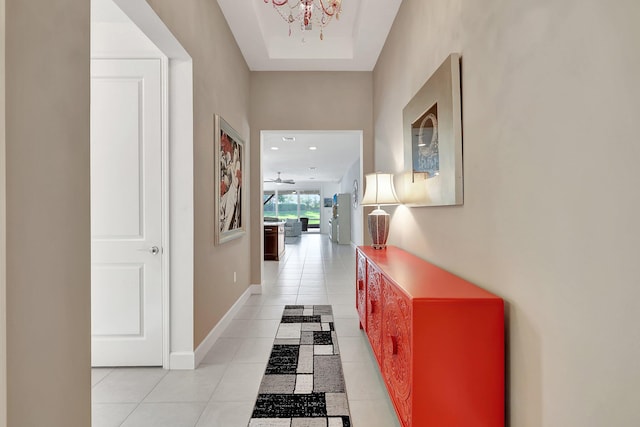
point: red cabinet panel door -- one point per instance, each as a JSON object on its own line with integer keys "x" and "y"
{"x": 374, "y": 310}
{"x": 361, "y": 289}
{"x": 397, "y": 369}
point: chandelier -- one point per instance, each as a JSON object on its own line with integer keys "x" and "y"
{"x": 307, "y": 12}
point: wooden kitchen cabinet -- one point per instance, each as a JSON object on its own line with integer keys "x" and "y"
{"x": 273, "y": 241}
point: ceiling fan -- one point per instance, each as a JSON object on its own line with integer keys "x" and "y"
{"x": 279, "y": 180}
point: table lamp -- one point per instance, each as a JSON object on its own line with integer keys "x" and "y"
{"x": 379, "y": 191}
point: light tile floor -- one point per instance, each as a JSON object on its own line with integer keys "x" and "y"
{"x": 221, "y": 392}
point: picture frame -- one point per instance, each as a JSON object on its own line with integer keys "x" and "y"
{"x": 229, "y": 195}
{"x": 328, "y": 202}
{"x": 432, "y": 127}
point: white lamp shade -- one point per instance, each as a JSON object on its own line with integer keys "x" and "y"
{"x": 379, "y": 190}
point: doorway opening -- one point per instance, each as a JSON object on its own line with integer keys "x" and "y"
{"x": 126, "y": 34}
{"x": 303, "y": 170}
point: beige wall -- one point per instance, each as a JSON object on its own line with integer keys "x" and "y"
{"x": 550, "y": 215}
{"x": 48, "y": 229}
{"x": 305, "y": 101}
{"x": 221, "y": 86}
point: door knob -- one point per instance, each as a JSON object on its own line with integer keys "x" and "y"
{"x": 153, "y": 249}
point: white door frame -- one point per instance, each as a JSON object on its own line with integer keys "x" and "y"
{"x": 165, "y": 253}
{"x": 177, "y": 184}
{"x": 359, "y": 133}
{"x": 164, "y": 225}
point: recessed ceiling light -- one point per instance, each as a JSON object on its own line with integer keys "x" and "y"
{"x": 288, "y": 138}
{"x": 312, "y": 177}
{"x": 274, "y": 148}
{"x": 313, "y": 148}
{"x": 312, "y": 168}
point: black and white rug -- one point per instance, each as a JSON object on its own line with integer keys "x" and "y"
{"x": 303, "y": 385}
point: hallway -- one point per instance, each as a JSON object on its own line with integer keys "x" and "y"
{"x": 222, "y": 391}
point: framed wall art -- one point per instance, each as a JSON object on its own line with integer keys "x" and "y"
{"x": 229, "y": 191}
{"x": 432, "y": 126}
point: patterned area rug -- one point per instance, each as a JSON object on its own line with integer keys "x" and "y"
{"x": 303, "y": 385}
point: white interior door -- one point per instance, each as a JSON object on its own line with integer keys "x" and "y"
{"x": 126, "y": 212}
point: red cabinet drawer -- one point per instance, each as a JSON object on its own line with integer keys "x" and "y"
{"x": 397, "y": 366}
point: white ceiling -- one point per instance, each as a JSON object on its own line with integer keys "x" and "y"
{"x": 336, "y": 152}
{"x": 352, "y": 43}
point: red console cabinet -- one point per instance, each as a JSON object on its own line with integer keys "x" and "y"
{"x": 438, "y": 339}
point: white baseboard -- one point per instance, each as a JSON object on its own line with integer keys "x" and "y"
{"x": 217, "y": 330}
{"x": 182, "y": 360}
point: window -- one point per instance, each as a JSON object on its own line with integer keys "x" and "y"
{"x": 310, "y": 207}
{"x": 286, "y": 204}
{"x": 269, "y": 203}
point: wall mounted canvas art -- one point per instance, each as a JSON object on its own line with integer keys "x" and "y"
{"x": 229, "y": 192}
{"x": 432, "y": 125}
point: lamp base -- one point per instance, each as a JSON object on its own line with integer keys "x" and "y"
{"x": 378, "y": 221}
